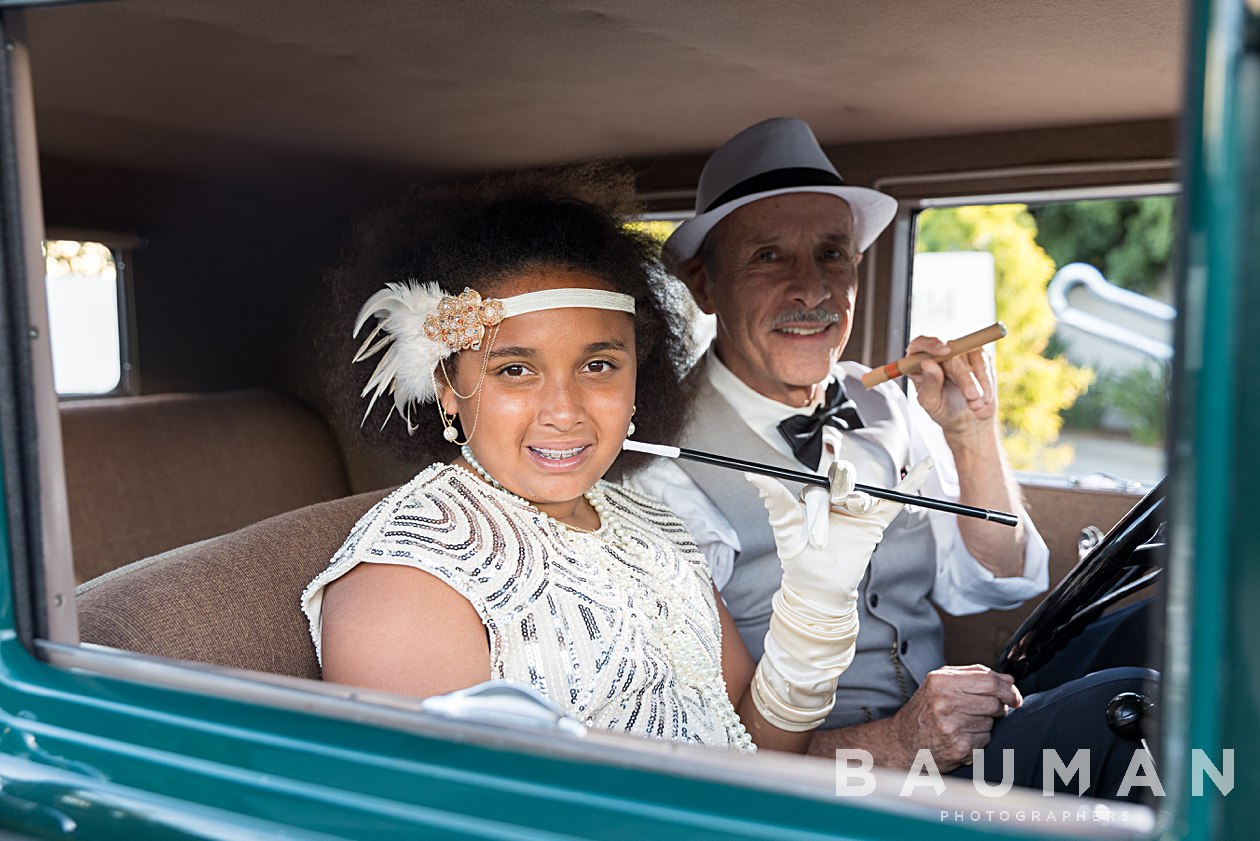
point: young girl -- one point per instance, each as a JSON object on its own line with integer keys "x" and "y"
{"x": 515, "y": 559}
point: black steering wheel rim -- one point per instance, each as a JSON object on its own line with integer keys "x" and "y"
{"x": 1127, "y": 560}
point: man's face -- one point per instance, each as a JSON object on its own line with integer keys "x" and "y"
{"x": 780, "y": 274}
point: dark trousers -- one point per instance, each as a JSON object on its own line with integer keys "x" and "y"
{"x": 1065, "y": 708}
{"x": 1065, "y": 719}
{"x": 1118, "y": 639}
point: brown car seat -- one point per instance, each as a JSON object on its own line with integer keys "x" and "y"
{"x": 147, "y": 474}
{"x": 231, "y": 600}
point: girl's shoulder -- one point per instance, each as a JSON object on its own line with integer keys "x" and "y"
{"x": 419, "y": 491}
{"x": 444, "y": 521}
{"x": 438, "y": 486}
{"x": 436, "y": 523}
{"x": 441, "y": 501}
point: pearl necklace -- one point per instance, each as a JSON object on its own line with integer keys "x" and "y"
{"x": 692, "y": 665}
{"x": 594, "y": 496}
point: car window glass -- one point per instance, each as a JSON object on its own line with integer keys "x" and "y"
{"x": 1084, "y": 289}
{"x": 83, "y": 282}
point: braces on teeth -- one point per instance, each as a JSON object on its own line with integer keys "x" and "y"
{"x": 557, "y": 454}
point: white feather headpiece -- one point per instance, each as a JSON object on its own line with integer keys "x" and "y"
{"x": 406, "y": 366}
{"x": 418, "y": 326}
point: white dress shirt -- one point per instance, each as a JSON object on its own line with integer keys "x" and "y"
{"x": 963, "y": 585}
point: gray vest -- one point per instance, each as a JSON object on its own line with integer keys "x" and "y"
{"x": 900, "y": 637}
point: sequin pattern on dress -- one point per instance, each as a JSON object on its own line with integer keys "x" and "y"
{"x": 623, "y": 633}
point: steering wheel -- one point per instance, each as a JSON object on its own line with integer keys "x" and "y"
{"x": 1128, "y": 559}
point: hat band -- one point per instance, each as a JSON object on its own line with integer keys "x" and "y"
{"x": 778, "y": 179}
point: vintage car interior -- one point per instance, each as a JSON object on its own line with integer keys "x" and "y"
{"x": 222, "y": 151}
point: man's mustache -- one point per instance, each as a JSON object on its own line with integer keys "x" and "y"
{"x": 815, "y": 316}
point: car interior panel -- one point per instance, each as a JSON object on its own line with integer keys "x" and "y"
{"x": 227, "y": 152}
{"x": 207, "y": 177}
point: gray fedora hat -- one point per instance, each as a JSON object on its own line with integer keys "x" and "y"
{"x": 773, "y": 157}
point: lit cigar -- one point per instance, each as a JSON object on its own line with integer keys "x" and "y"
{"x": 812, "y": 479}
{"x": 912, "y": 363}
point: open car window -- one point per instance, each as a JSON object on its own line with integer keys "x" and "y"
{"x": 1084, "y": 289}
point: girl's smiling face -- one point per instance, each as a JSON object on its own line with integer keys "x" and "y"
{"x": 557, "y": 397}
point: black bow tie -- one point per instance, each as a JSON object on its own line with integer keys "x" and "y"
{"x": 804, "y": 432}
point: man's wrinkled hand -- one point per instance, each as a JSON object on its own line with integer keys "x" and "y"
{"x": 959, "y": 393}
{"x": 953, "y": 713}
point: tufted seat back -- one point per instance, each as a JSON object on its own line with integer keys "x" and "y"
{"x": 147, "y": 474}
{"x": 231, "y": 600}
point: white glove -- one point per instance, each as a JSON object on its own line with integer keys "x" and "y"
{"x": 824, "y": 542}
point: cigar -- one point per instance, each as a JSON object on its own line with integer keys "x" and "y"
{"x": 813, "y": 479}
{"x": 912, "y": 363}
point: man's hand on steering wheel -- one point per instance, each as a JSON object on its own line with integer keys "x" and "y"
{"x": 953, "y": 713}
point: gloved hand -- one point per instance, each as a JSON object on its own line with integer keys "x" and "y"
{"x": 825, "y": 541}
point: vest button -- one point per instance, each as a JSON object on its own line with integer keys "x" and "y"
{"x": 905, "y": 646}
{"x": 874, "y": 600}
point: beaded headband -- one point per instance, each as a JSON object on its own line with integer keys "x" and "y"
{"x": 461, "y": 321}
{"x": 418, "y": 326}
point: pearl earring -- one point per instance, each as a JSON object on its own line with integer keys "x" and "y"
{"x": 450, "y": 433}
{"x": 630, "y": 429}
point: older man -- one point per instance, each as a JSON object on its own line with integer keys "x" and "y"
{"x": 773, "y": 252}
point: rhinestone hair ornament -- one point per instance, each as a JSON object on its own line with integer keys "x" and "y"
{"x": 418, "y": 326}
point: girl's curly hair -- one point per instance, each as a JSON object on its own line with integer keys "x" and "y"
{"x": 484, "y": 234}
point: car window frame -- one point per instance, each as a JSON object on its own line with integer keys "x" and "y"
{"x": 900, "y": 279}
{"x": 55, "y": 639}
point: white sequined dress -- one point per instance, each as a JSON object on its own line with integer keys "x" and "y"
{"x": 619, "y": 629}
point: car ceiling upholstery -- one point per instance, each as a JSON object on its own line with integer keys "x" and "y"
{"x": 460, "y": 86}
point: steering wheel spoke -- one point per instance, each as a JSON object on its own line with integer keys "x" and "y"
{"x": 1128, "y": 560}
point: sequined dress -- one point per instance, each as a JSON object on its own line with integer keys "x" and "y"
{"x": 619, "y": 630}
